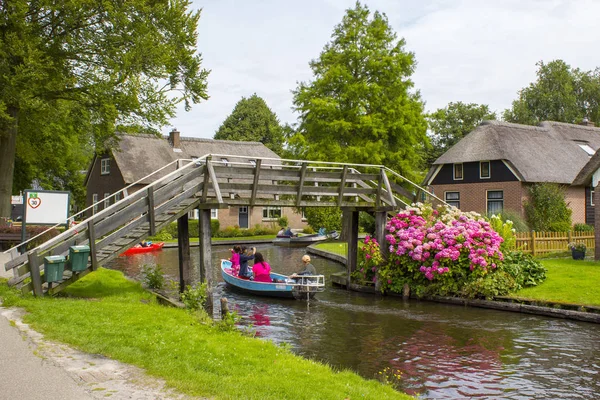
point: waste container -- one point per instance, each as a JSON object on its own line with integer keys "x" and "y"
{"x": 54, "y": 266}
{"x": 78, "y": 257}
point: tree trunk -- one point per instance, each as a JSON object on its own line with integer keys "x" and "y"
{"x": 8, "y": 146}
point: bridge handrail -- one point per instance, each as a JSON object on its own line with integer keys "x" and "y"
{"x": 107, "y": 209}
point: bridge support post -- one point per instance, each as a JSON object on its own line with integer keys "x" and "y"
{"x": 380, "y": 222}
{"x": 352, "y": 239}
{"x": 206, "y": 256}
{"x": 183, "y": 245}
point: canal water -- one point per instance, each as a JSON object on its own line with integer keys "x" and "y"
{"x": 442, "y": 351}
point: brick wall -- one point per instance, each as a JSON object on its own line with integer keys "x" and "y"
{"x": 230, "y": 217}
{"x": 473, "y": 196}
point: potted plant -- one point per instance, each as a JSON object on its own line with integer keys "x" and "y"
{"x": 577, "y": 250}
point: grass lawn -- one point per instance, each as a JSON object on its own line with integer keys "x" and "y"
{"x": 110, "y": 315}
{"x": 334, "y": 247}
{"x": 568, "y": 281}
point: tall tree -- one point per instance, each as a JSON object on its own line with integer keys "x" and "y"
{"x": 90, "y": 65}
{"x": 560, "y": 93}
{"x": 450, "y": 124}
{"x": 359, "y": 107}
{"x": 253, "y": 121}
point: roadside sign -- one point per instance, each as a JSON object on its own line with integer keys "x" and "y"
{"x": 44, "y": 207}
{"x": 16, "y": 199}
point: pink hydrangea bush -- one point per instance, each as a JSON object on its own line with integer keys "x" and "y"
{"x": 370, "y": 259}
{"x": 438, "y": 251}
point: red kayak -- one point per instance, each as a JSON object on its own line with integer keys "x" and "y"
{"x": 137, "y": 249}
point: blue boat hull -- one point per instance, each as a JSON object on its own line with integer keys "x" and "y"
{"x": 281, "y": 290}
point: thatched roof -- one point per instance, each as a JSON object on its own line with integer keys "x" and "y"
{"x": 139, "y": 155}
{"x": 550, "y": 152}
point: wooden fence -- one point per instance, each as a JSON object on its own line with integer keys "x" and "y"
{"x": 541, "y": 243}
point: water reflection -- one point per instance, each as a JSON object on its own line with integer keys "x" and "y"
{"x": 443, "y": 351}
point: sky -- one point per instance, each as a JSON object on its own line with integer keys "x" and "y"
{"x": 474, "y": 51}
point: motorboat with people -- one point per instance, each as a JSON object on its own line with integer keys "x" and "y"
{"x": 290, "y": 240}
{"x": 301, "y": 287}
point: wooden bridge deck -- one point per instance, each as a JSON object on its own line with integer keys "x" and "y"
{"x": 207, "y": 184}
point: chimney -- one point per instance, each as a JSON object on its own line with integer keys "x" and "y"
{"x": 586, "y": 122}
{"x": 174, "y": 138}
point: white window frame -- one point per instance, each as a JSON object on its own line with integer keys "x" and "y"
{"x": 481, "y": 170}
{"x": 106, "y": 200}
{"x": 118, "y": 196}
{"x": 450, "y": 201}
{"x": 487, "y": 199}
{"x": 104, "y": 166}
{"x": 462, "y": 171}
{"x": 94, "y": 202}
{"x": 214, "y": 213}
{"x": 269, "y": 211}
{"x": 592, "y": 197}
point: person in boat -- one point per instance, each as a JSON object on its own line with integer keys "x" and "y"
{"x": 288, "y": 232}
{"x": 309, "y": 269}
{"x": 235, "y": 259}
{"x": 246, "y": 256}
{"x": 261, "y": 269}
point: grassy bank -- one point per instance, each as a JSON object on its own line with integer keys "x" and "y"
{"x": 109, "y": 315}
{"x": 217, "y": 239}
{"x": 568, "y": 281}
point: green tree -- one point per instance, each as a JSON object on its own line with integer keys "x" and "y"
{"x": 450, "y": 124}
{"x": 253, "y": 121}
{"x": 71, "y": 72}
{"x": 546, "y": 208}
{"x": 560, "y": 93}
{"x": 359, "y": 107}
{"x": 329, "y": 218}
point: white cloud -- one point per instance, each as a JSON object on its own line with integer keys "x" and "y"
{"x": 469, "y": 50}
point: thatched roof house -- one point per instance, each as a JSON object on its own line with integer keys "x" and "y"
{"x": 502, "y": 158}
{"x": 136, "y": 156}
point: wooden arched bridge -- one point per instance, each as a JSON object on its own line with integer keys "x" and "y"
{"x": 212, "y": 182}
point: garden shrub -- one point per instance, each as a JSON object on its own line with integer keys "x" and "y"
{"x": 162, "y": 236}
{"x": 526, "y": 270}
{"x": 437, "y": 252}
{"x": 32, "y": 230}
{"x": 194, "y": 297}
{"x": 329, "y": 218}
{"x": 215, "y": 225}
{"x": 369, "y": 261}
{"x": 505, "y": 229}
{"x": 366, "y": 222}
{"x": 152, "y": 276}
{"x": 308, "y": 230}
{"x": 546, "y": 209}
{"x": 583, "y": 228}
{"x": 519, "y": 223}
{"x": 283, "y": 222}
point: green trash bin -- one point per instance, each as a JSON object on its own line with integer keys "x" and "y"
{"x": 78, "y": 257}
{"x": 54, "y": 266}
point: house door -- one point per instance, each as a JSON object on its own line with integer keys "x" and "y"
{"x": 243, "y": 218}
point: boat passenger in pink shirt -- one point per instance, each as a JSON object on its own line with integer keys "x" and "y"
{"x": 235, "y": 260}
{"x": 261, "y": 269}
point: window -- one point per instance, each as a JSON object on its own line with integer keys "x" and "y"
{"x": 105, "y": 166}
{"x": 271, "y": 213}
{"x": 94, "y": 201}
{"x": 592, "y": 197}
{"x": 452, "y": 198}
{"x": 484, "y": 169}
{"x": 586, "y": 147}
{"x": 214, "y": 213}
{"x": 118, "y": 196}
{"x": 458, "y": 172}
{"x": 495, "y": 201}
{"x": 106, "y": 200}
